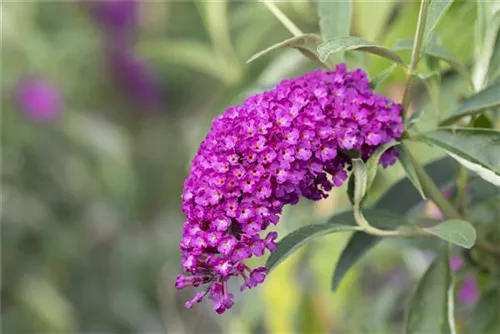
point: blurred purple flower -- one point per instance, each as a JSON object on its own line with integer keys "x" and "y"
{"x": 134, "y": 76}
{"x": 468, "y": 293}
{"x": 39, "y": 99}
{"x": 118, "y": 16}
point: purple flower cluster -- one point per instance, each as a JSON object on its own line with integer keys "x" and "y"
{"x": 269, "y": 151}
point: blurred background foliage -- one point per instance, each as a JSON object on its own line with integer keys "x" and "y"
{"x": 103, "y": 106}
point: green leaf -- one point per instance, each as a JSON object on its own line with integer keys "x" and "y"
{"x": 350, "y": 188}
{"x": 379, "y": 79}
{"x": 428, "y": 310}
{"x": 407, "y": 165}
{"x": 360, "y": 177}
{"x": 435, "y": 11}
{"x": 487, "y": 98}
{"x": 476, "y": 149}
{"x": 306, "y": 44}
{"x": 373, "y": 162}
{"x": 341, "y": 44}
{"x": 334, "y": 18}
{"x": 360, "y": 242}
{"x": 458, "y": 232}
{"x": 484, "y": 313}
{"x": 293, "y": 241}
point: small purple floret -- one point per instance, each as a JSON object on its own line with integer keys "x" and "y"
{"x": 276, "y": 147}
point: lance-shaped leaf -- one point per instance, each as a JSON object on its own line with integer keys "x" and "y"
{"x": 306, "y": 44}
{"x": 405, "y": 161}
{"x": 293, "y": 241}
{"x": 334, "y": 18}
{"x": 373, "y": 163}
{"x": 431, "y": 306}
{"x": 477, "y": 103}
{"x": 458, "y": 232}
{"x": 435, "y": 11}
{"x": 476, "y": 149}
{"x": 341, "y": 44}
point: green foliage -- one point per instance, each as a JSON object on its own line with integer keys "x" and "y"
{"x": 457, "y": 232}
{"x": 431, "y": 307}
{"x": 372, "y": 164}
{"x": 476, "y": 149}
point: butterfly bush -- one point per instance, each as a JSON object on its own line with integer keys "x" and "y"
{"x": 279, "y": 145}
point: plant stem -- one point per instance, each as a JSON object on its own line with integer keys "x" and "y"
{"x": 432, "y": 191}
{"x": 364, "y": 226}
{"x": 282, "y": 17}
{"x": 415, "y": 55}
